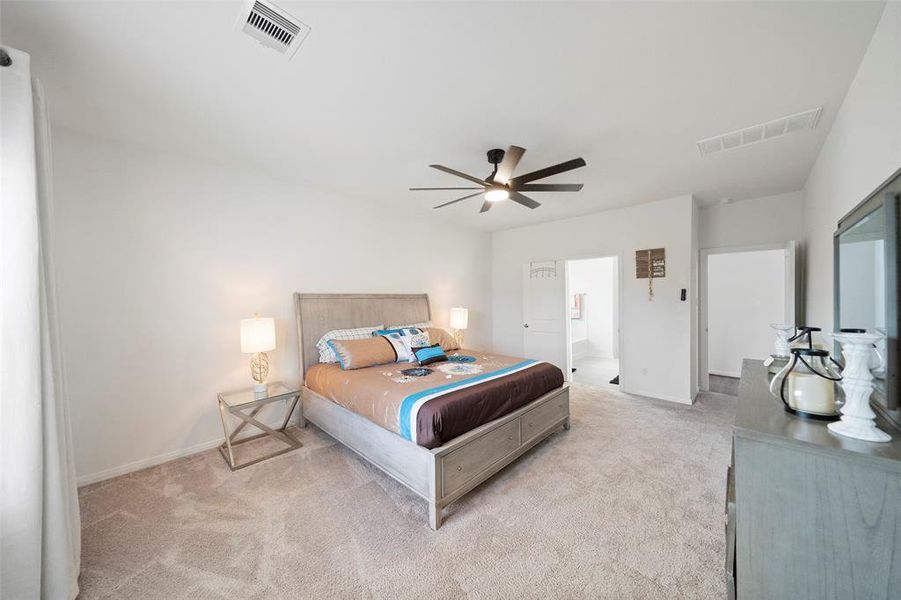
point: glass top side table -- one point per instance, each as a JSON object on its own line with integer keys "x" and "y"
{"x": 245, "y": 404}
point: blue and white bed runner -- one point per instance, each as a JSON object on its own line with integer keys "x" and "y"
{"x": 409, "y": 408}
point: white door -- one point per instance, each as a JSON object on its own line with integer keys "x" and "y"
{"x": 544, "y": 312}
{"x": 790, "y": 285}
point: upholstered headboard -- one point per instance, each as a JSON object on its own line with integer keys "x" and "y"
{"x": 317, "y": 314}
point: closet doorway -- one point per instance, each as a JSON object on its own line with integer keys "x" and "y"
{"x": 742, "y": 291}
{"x": 594, "y": 328}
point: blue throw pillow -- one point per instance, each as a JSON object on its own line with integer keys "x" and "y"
{"x": 429, "y": 354}
{"x": 404, "y": 331}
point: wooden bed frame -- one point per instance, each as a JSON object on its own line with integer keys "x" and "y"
{"x": 441, "y": 475}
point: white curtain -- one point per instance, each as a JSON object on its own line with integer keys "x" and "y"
{"x": 40, "y": 535}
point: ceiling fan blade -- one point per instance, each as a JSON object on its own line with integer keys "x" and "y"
{"x": 486, "y": 206}
{"x": 459, "y": 174}
{"x": 524, "y": 200}
{"x": 480, "y": 192}
{"x": 445, "y": 188}
{"x": 505, "y": 170}
{"x": 548, "y": 171}
{"x": 550, "y": 187}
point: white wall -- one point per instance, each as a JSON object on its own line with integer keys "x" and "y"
{"x": 694, "y": 317}
{"x": 656, "y": 336}
{"x": 763, "y": 221}
{"x": 754, "y": 222}
{"x": 745, "y": 293}
{"x": 596, "y": 279}
{"x": 862, "y": 150}
{"x": 159, "y": 258}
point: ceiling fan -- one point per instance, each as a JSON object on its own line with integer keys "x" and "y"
{"x": 501, "y": 185}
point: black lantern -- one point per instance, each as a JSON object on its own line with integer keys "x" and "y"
{"x": 806, "y": 384}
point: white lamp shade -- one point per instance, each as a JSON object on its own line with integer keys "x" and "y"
{"x": 257, "y": 335}
{"x": 459, "y": 318}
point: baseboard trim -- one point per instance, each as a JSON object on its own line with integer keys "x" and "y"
{"x": 656, "y": 396}
{"x": 731, "y": 374}
{"x": 146, "y": 463}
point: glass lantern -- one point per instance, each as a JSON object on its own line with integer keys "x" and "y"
{"x": 806, "y": 384}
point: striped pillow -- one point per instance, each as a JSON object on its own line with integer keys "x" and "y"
{"x": 327, "y": 355}
{"x": 429, "y": 354}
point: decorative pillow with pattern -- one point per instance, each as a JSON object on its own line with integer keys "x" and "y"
{"x": 422, "y": 325}
{"x": 400, "y": 330}
{"x": 419, "y": 339}
{"x": 327, "y": 355}
{"x": 428, "y": 355}
{"x": 400, "y": 343}
{"x": 404, "y": 340}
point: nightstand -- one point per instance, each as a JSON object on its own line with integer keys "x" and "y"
{"x": 245, "y": 404}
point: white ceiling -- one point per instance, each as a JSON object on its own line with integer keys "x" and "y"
{"x": 380, "y": 90}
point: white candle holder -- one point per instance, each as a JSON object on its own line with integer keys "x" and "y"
{"x": 783, "y": 332}
{"x": 858, "y": 419}
{"x": 780, "y": 356}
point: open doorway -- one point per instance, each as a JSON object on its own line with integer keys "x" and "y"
{"x": 594, "y": 320}
{"x": 743, "y": 291}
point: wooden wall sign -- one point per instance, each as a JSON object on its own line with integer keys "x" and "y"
{"x": 655, "y": 259}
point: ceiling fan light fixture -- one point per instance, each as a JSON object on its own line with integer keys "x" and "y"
{"x": 496, "y": 195}
{"x": 502, "y": 185}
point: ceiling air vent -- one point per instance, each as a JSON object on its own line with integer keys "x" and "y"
{"x": 761, "y": 132}
{"x": 272, "y": 27}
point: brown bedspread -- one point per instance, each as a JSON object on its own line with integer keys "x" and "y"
{"x": 449, "y": 400}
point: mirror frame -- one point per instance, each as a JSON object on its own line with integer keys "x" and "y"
{"x": 887, "y": 196}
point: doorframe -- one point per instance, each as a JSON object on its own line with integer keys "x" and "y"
{"x": 792, "y": 291}
{"x": 619, "y": 310}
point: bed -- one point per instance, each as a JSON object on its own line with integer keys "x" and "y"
{"x": 419, "y": 430}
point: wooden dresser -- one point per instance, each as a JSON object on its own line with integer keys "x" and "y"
{"x": 810, "y": 515}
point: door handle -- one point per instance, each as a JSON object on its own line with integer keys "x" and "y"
{"x": 526, "y": 325}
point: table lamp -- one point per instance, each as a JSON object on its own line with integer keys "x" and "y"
{"x": 459, "y": 319}
{"x": 258, "y": 337}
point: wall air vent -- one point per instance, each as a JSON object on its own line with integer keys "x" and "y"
{"x": 272, "y": 26}
{"x": 761, "y": 132}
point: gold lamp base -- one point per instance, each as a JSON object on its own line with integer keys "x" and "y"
{"x": 259, "y": 370}
{"x": 458, "y": 335}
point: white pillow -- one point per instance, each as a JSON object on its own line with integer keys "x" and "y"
{"x": 327, "y": 355}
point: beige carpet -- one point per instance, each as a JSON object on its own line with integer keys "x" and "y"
{"x": 627, "y": 504}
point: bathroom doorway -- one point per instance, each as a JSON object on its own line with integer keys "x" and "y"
{"x": 594, "y": 328}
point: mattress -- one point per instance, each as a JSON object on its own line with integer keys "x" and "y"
{"x": 432, "y": 405}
